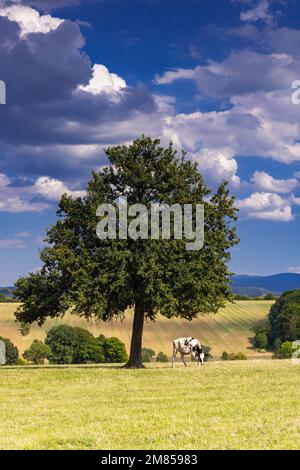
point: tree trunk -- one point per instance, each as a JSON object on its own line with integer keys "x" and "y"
{"x": 135, "y": 358}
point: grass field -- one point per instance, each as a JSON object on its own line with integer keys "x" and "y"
{"x": 223, "y": 405}
{"x": 230, "y": 329}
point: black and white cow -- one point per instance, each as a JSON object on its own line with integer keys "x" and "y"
{"x": 188, "y": 346}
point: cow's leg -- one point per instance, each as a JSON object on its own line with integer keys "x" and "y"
{"x": 183, "y": 360}
{"x": 193, "y": 358}
{"x": 174, "y": 356}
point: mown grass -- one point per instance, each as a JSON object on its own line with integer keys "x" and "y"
{"x": 231, "y": 329}
{"x": 230, "y": 405}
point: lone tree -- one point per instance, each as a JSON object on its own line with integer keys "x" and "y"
{"x": 102, "y": 278}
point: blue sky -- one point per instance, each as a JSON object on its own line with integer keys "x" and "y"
{"x": 212, "y": 76}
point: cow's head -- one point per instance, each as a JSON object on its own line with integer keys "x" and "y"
{"x": 201, "y": 357}
{"x": 198, "y": 354}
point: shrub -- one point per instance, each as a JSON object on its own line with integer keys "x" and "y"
{"x": 227, "y": 356}
{"x": 269, "y": 296}
{"x": 11, "y": 351}
{"x": 93, "y": 351}
{"x": 162, "y": 357}
{"x": 285, "y": 351}
{"x": 147, "y": 354}
{"x": 61, "y": 341}
{"x": 260, "y": 339}
{"x": 233, "y": 357}
{"x": 74, "y": 346}
{"x": 224, "y": 356}
{"x": 114, "y": 350}
{"x": 284, "y": 317}
{"x": 87, "y": 348}
{"x": 240, "y": 357}
{"x": 37, "y": 353}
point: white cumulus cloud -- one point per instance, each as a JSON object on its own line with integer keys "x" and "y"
{"x": 265, "y": 182}
{"x": 266, "y": 206}
{"x": 30, "y": 19}
{"x": 217, "y": 164}
{"x": 103, "y": 81}
{"x": 52, "y": 189}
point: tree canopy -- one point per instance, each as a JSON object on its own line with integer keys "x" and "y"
{"x": 102, "y": 278}
{"x": 284, "y": 317}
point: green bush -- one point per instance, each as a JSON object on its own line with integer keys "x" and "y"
{"x": 114, "y": 350}
{"x": 240, "y": 357}
{"x": 224, "y": 356}
{"x": 284, "y": 317}
{"x": 285, "y": 351}
{"x": 87, "y": 349}
{"x": 61, "y": 341}
{"x": 37, "y": 353}
{"x": 147, "y": 354}
{"x": 74, "y": 346}
{"x": 11, "y": 351}
{"x": 162, "y": 357}
{"x": 270, "y": 296}
{"x": 233, "y": 357}
{"x": 260, "y": 340}
{"x": 242, "y": 297}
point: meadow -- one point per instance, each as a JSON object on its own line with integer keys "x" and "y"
{"x": 231, "y": 329}
{"x": 250, "y": 404}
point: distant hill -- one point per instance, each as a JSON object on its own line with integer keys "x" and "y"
{"x": 260, "y": 285}
{"x": 7, "y": 291}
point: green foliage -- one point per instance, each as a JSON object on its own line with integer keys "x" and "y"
{"x": 233, "y": 356}
{"x": 162, "y": 357}
{"x": 73, "y": 346}
{"x": 114, "y": 350}
{"x": 270, "y": 296}
{"x": 61, "y": 341}
{"x": 260, "y": 339}
{"x": 284, "y": 317}
{"x": 285, "y": 351}
{"x": 242, "y": 297}
{"x": 277, "y": 344}
{"x": 11, "y": 351}
{"x": 86, "y": 347}
{"x": 102, "y": 278}
{"x": 37, "y": 353}
{"x": 24, "y": 328}
{"x": 240, "y": 356}
{"x": 147, "y": 354}
{"x": 225, "y": 356}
